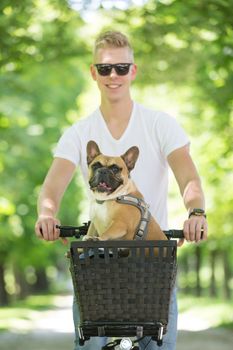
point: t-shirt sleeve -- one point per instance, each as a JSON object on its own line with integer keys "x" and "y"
{"x": 68, "y": 146}
{"x": 170, "y": 134}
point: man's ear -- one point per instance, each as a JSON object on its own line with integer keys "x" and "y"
{"x": 92, "y": 151}
{"x": 130, "y": 157}
{"x": 93, "y": 71}
{"x": 134, "y": 70}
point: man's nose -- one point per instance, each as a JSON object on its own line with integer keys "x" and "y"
{"x": 113, "y": 73}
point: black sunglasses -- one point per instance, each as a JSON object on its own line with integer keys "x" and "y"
{"x": 105, "y": 69}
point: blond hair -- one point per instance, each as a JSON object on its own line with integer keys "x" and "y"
{"x": 112, "y": 39}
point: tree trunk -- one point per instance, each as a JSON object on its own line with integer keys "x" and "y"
{"x": 20, "y": 280}
{"x": 185, "y": 271}
{"x": 42, "y": 284}
{"x": 213, "y": 289}
{"x": 227, "y": 275}
{"x": 198, "y": 267}
{"x": 4, "y": 299}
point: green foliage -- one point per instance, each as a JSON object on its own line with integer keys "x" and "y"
{"x": 33, "y": 112}
{"x": 35, "y": 31}
{"x": 41, "y": 63}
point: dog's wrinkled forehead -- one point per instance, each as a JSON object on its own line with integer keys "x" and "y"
{"x": 107, "y": 161}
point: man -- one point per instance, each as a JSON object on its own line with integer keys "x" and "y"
{"x": 118, "y": 124}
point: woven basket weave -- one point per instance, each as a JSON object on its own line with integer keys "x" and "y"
{"x": 117, "y": 290}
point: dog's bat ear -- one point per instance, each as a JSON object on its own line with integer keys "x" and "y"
{"x": 92, "y": 151}
{"x": 130, "y": 157}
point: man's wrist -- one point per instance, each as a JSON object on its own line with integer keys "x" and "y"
{"x": 196, "y": 212}
{"x": 46, "y": 215}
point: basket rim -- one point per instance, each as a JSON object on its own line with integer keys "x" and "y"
{"x": 123, "y": 244}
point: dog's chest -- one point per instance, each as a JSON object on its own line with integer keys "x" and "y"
{"x": 100, "y": 216}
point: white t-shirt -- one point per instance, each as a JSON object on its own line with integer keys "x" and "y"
{"x": 156, "y": 134}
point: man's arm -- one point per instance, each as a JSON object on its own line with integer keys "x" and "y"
{"x": 189, "y": 183}
{"x": 53, "y": 188}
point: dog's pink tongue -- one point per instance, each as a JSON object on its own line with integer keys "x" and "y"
{"x": 103, "y": 184}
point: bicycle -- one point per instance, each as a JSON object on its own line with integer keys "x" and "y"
{"x": 106, "y": 276}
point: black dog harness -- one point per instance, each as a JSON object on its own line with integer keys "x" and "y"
{"x": 142, "y": 229}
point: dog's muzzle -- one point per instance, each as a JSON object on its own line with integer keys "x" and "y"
{"x": 104, "y": 180}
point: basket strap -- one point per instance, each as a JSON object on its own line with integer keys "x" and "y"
{"x": 142, "y": 229}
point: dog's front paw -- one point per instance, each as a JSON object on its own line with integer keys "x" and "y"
{"x": 90, "y": 238}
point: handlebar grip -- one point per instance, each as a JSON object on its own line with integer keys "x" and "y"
{"x": 174, "y": 233}
{"x": 67, "y": 231}
{"x": 178, "y": 233}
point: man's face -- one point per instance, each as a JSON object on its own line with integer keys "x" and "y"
{"x": 114, "y": 87}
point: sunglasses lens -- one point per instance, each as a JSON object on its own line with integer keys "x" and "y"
{"x": 104, "y": 69}
{"x": 122, "y": 69}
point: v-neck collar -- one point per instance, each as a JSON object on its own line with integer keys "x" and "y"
{"x": 124, "y": 134}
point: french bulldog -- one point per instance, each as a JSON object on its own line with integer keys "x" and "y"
{"x": 109, "y": 178}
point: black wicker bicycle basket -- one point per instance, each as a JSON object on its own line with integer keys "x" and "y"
{"x": 123, "y": 288}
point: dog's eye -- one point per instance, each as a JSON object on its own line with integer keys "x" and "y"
{"x": 115, "y": 169}
{"x": 96, "y": 165}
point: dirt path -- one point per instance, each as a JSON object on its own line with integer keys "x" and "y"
{"x": 210, "y": 339}
{"x": 53, "y": 330}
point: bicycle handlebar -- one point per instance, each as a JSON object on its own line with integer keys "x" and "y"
{"x": 73, "y": 231}
{"x": 78, "y": 231}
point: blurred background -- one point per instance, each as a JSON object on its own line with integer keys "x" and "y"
{"x": 184, "y": 53}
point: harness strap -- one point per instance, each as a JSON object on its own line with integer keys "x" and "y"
{"x": 142, "y": 229}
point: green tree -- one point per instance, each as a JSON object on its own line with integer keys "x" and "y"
{"x": 41, "y": 64}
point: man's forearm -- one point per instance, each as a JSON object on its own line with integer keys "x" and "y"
{"x": 47, "y": 204}
{"x": 193, "y": 195}
{"x": 53, "y": 188}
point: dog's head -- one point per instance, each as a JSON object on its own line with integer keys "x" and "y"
{"x": 108, "y": 175}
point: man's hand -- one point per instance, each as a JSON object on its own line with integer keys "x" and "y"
{"x": 195, "y": 229}
{"x": 45, "y": 228}
{"x": 55, "y": 184}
